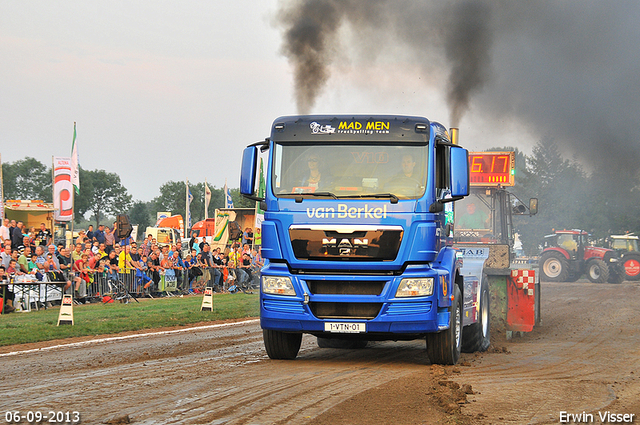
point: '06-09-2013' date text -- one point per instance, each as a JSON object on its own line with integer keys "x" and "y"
{"x": 35, "y": 416}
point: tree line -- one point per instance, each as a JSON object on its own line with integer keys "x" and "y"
{"x": 603, "y": 201}
{"x": 600, "y": 201}
{"x": 102, "y": 195}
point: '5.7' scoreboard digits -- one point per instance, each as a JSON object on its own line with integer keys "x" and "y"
{"x": 492, "y": 168}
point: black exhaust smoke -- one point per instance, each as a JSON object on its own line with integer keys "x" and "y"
{"x": 561, "y": 71}
{"x": 467, "y": 44}
{"x": 309, "y": 37}
{"x": 310, "y": 41}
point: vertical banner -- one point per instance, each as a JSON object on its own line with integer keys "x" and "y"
{"x": 223, "y": 217}
{"x": 62, "y": 189}
{"x": 75, "y": 172}
{"x": 188, "y": 211}
{"x": 207, "y": 199}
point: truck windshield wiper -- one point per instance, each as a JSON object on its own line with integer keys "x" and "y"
{"x": 300, "y": 196}
{"x": 394, "y": 198}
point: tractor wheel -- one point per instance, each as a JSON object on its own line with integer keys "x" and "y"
{"x": 631, "y": 264}
{"x": 553, "y": 267}
{"x": 347, "y": 344}
{"x": 615, "y": 276}
{"x": 281, "y": 345}
{"x": 573, "y": 277}
{"x": 477, "y": 337}
{"x": 597, "y": 271}
{"x": 444, "y": 347}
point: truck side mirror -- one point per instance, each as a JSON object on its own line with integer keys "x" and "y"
{"x": 248, "y": 171}
{"x": 459, "y": 169}
{"x": 533, "y": 206}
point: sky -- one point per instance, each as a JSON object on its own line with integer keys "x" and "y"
{"x": 169, "y": 91}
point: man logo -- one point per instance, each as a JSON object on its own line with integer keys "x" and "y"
{"x": 345, "y": 246}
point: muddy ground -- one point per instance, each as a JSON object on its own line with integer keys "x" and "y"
{"x": 584, "y": 358}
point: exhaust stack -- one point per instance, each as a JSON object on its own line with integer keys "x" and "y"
{"x": 453, "y": 132}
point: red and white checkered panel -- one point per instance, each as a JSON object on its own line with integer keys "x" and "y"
{"x": 524, "y": 277}
{"x": 521, "y": 301}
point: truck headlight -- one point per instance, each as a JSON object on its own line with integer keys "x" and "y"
{"x": 277, "y": 285}
{"x": 415, "y": 287}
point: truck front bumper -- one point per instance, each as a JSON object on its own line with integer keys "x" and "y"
{"x": 384, "y": 316}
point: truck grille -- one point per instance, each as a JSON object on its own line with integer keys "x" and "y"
{"x": 342, "y": 287}
{"x": 345, "y": 243}
{"x": 412, "y": 308}
{"x": 284, "y": 306}
{"x": 333, "y": 310}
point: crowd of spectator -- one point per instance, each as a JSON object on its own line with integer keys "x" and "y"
{"x": 98, "y": 259}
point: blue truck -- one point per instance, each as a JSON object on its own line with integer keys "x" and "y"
{"x": 357, "y": 235}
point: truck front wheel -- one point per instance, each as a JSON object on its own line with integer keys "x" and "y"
{"x": 281, "y": 345}
{"x": 477, "y": 337}
{"x": 597, "y": 271}
{"x": 444, "y": 347}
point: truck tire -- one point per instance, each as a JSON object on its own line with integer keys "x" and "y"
{"x": 347, "y": 344}
{"x": 477, "y": 337}
{"x": 553, "y": 267}
{"x": 631, "y": 264}
{"x": 444, "y": 347}
{"x": 597, "y": 271}
{"x": 281, "y": 345}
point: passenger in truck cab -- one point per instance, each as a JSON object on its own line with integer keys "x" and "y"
{"x": 316, "y": 178}
{"x": 408, "y": 164}
{"x": 313, "y": 179}
{"x": 408, "y": 180}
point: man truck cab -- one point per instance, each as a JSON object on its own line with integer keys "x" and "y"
{"x": 355, "y": 235}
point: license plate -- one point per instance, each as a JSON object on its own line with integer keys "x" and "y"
{"x": 347, "y": 328}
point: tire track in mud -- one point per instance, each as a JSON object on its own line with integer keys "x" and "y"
{"x": 317, "y": 381}
{"x": 320, "y": 384}
{"x": 570, "y": 363}
{"x": 204, "y": 377}
{"x": 121, "y": 376}
{"x": 582, "y": 357}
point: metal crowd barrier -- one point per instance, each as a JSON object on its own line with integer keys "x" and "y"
{"x": 102, "y": 284}
{"x": 170, "y": 283}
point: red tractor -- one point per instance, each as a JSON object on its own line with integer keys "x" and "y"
{"x": 567, "y": 256}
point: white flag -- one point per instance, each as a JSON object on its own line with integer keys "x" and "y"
{"x": 207, "y": 199}
{"x": 188, "y": 208}
{"x": 75, "y": 172}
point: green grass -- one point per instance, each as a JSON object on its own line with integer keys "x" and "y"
{"x": 99, "y": 319}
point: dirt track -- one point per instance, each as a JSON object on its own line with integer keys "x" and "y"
{"x": 584, "y": 357}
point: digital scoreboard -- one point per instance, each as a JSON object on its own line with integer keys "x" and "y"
{"x": 492, "y": 168}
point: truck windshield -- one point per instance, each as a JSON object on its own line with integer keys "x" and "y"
{"x": 350, "y": 170}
